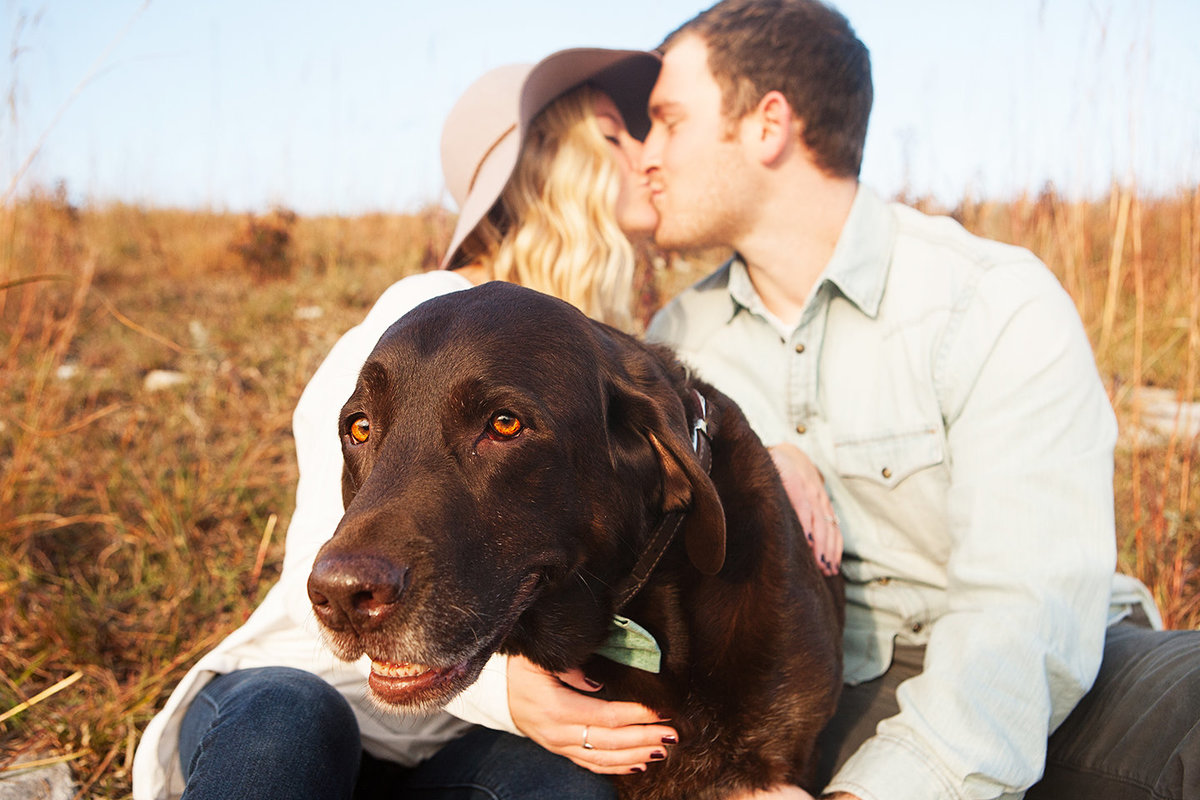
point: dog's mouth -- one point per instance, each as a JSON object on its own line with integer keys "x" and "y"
{"x": 409, "y": 684}
{"x": 413, "y": 684}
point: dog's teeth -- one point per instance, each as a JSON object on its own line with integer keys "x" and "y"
{"x": 387, "y": 669}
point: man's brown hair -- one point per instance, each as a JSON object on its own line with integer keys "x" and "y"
{"x": 804, "y": 49}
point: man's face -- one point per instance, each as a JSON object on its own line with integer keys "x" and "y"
{"x": 697, "y": 168}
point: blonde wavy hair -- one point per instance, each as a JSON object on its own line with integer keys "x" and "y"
{"x": 554, "y": 227}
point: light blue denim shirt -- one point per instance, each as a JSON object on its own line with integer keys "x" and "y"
{"x": 944, "y": 386}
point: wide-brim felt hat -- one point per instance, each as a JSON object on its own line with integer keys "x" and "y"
{"x": 482, "y": 136}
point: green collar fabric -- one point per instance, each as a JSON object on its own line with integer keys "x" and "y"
{"x": 630, "y": 644}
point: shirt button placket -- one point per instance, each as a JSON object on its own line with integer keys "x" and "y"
{"x": 801, "y": 388}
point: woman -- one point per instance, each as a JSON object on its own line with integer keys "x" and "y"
{"x": 270, "y": 712}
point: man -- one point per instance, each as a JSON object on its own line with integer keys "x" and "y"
{"x": 945, "y": 389}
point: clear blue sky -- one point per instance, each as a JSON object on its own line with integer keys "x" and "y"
{"x": 337, "y": 107}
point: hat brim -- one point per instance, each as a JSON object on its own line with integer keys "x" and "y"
{"x": 627, "y": 76}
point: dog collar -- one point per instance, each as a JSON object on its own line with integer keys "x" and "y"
{"x": 668, "y": 526}
{"x": 700, "y": 431}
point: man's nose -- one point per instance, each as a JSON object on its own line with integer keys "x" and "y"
{"x": 651, "y": 150}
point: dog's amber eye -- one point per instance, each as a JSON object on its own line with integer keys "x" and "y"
{"x": 505, "y": 425}
{"x": 360, "y": 430}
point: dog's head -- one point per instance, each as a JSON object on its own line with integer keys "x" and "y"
{"x": 505, "y": 459}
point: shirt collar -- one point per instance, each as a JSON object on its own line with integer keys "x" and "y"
{"x": 858, "y": 268}
{"x": 745, "y": 296}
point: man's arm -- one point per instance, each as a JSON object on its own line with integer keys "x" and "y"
{"x": 1030, "y": 435}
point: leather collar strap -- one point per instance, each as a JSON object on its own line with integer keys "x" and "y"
{"x": 664, "y": 533}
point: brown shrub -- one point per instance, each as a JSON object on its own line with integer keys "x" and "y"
{"x": 264, "y": 245}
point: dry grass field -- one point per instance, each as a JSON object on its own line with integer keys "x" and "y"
{"x": 150, "y": 361}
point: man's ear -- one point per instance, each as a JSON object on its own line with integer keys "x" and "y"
{"x": 775, "y": 128}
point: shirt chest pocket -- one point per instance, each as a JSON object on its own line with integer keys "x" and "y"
{"x": 888, "y": 460}
{"x": 895, "y": 487}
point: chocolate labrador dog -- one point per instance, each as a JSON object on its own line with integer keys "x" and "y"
{"x": 519, "y": 478}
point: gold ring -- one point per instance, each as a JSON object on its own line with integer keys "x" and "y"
{"x": 586, "y": 744}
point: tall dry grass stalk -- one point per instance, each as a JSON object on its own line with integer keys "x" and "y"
{"x": 1122, "y": 200}
{"x": 1139, "y": 330}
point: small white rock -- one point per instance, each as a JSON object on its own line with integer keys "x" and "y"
{"x": 308, "y": 312}
{"x": 45, "y": 783}
{"x": 1161, "y": 415}
{"x": 199, "y": 334}
{"x": 158, "y": 379}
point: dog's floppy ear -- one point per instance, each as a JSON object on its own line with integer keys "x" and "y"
{"x": 687, "y": 487}
{"x": 643, "y": 407}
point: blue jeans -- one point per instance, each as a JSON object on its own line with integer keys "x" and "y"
{"x": 277, "y": 732}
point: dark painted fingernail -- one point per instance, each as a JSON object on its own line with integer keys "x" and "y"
{"x": 591, "y": 683}
{"x": 657, "y": 755}
{"x": 670, "y": 739}
{"x": 638, "y": 768}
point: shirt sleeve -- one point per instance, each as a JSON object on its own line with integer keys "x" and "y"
{"x": 485, "y": 702}
{"x": 1030, "y": 437}
{"x": 664, "y": 327}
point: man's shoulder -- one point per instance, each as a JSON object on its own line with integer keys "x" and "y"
{"x": 930, "y": 250}
{"x": 695, "y": 312}
{"x": 943, "y": 239}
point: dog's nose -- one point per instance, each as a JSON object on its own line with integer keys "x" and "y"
{"x": 357, "y": 591}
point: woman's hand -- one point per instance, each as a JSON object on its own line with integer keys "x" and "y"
{"x": 621, "y": 737}
{"x": 806, "y": 489}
